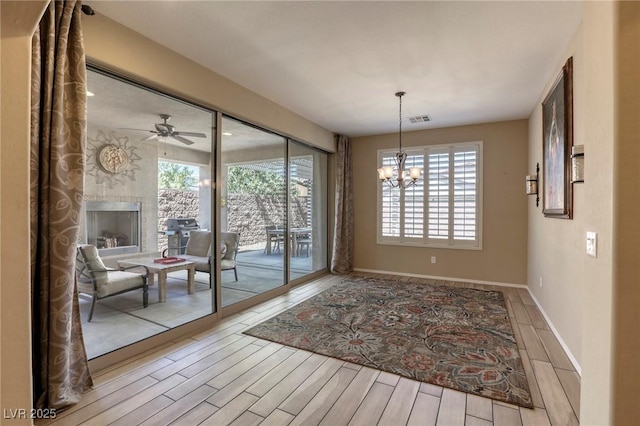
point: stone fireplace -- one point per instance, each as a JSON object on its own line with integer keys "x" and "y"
{"x": 114, "y": 227}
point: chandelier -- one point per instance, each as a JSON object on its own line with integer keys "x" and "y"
{"x": 386, "y": 173}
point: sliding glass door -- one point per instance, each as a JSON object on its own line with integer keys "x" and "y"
{"x": 154, "y": 164}
{"x": 147, "y": 191}
{"x": 274, "y": 196}
{"x": 253, "y": 207}
{"x": 308, "y": 210}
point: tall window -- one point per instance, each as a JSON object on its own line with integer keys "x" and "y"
{"x": 444, "y": 208}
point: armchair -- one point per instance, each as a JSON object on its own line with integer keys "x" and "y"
{"x": 100, "y": 282}
{"x": 198, "y": 250}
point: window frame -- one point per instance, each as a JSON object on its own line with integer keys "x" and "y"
{"x": 425, "y": 241}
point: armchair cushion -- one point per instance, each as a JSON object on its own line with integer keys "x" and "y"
{"x": 227, "y": 264}
{"x": 199, "y": 243}
{"x": 231, "y": 240}
{"x": 93, "y": 265}
{"x": 120, "y": 281}
{"x": 198, "y": 250}
{"x": 202, "y": 262}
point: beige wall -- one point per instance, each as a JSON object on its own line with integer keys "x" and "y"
{"x": 556, "y": 247}
{"x": 18, "y": 22}
{"x": 593, "y": 302}
{"x": 598, "y": 69}
{"x": 626, "y": 213}
{"x": 503, "y": 257}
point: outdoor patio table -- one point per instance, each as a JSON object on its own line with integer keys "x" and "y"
{"x": 295, "y": 232}
{"x": 162, "y": 270}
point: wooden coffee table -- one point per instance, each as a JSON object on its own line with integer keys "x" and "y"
{"x": 162, "y": 271}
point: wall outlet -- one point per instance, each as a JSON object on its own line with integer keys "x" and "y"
{"x": 540, "y": 282}
{"x": 433, "y": 259}
{"x": 592, "y": 244}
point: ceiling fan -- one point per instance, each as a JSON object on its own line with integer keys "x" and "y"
{"x": 167, "y": 130}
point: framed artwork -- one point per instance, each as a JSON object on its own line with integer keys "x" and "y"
{"x": 557, "y": 140}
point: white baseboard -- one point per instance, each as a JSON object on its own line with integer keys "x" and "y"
{"x": 573, "y": 359}
{"x": 434, "y": 277}
{"x": 544, "y": 314}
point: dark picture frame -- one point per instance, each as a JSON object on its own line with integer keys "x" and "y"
{"x": 557, "y": 140}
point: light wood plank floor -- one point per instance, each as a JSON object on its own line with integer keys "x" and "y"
{"x": 222, "y": 377}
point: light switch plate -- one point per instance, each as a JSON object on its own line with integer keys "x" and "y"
{"x": 592, "y": 244}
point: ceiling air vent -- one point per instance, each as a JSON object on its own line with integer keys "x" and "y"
{"x": 420, "y": 119}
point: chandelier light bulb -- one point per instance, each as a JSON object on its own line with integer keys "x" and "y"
{"x": 414, "y": 172}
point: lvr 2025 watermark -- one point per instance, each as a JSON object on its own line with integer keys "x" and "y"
{"x": 28, "y": 413}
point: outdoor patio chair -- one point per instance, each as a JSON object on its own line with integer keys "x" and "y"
{"x": 101, "y": 282}
{"x": 273, "y": 239}
{"x": 198, "y": 250}
{"x": 232, "y": 242}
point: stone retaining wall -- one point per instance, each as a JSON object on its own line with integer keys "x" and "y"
{"x": 249, "y": 214}
{"x": 246, "y": 214}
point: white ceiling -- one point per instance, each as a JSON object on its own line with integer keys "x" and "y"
{"x": 339, "y": 63}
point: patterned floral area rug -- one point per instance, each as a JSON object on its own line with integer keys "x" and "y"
{"x": 458, "y": 338}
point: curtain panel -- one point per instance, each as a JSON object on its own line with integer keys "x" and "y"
{"x": 58, "y": 132}
{"x": 342, "y": 256}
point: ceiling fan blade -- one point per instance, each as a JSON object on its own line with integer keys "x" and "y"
{"x": 137, "y": 130}
{"x": 181, "y": 139}
{"x": 149, "y": 137}
{"x": 192, "y": 134}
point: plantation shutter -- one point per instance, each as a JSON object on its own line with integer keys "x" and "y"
{"x": 438, "y": 196}
{"x": 444, "y": 207}
{"x": 465, "y": 193}
{"x": 390, "y": 206}
{"x": 414, "y": 200}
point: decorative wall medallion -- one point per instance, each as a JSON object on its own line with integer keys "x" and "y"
{"x": 112, "y": 159}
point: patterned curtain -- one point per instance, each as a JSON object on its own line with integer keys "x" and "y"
{"x": 58, "y": 131}
{"x": 342, "y": 259}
